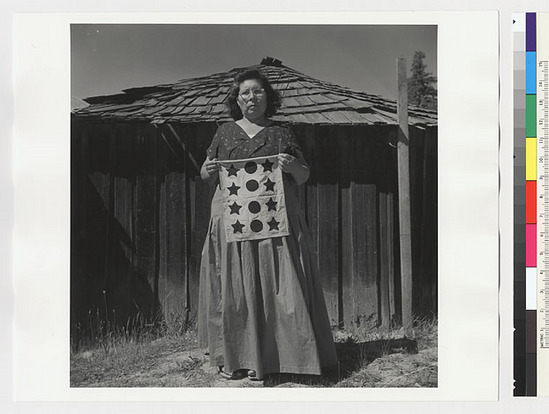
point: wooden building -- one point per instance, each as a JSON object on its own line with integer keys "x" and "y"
{"x": 139, "y": 210}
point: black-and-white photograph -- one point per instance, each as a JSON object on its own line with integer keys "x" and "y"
{"x": 253, "y": 206}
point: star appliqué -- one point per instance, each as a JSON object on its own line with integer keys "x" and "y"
{"x": 269, "y": 185}
{"x": 237, "y": 227}
{"x": 268, "y": 166}
{"x": 271, "y": 204}
{"x": 233, "y": 189}
{"x": 273, "y": 224}
{"x": 232, "y": 170}
{"x": 235, "y": 208}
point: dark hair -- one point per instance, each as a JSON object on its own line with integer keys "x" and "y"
{"x": 273, "y": 97}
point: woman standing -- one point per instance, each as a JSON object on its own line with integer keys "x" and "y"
{"x": 261, "y": 307}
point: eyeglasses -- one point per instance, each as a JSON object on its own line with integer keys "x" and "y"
{"x": 247, "y": 94}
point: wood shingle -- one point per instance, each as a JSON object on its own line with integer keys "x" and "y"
{"x": 304, "y": 100}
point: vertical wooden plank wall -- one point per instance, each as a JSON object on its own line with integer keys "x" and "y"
{"x": 83, "y": 161}
{"x": 386, "y": 259}
{"x": 359, "y": 247}
{"x": 97, "y": 199}
{"x": 390, "y": 246}
{"x": 145, "y": 214}
{"x": 416, "y": 205}
{"x": 132, "y": 226}
{"x": 341, "y": 212}
{"x": 174, "y": 230}
{"x": 350, "y": 293}
{"x": 429, "y": 230}
{"x": 198, "y": 139}
{"x": 160, "y": 214}
{"x": 383, "y": 262}
{"x": 322, "y": 211}
{"x": 172, "y": 284}
{"x": 364, "y": 213}
{"x": 109, "y": 276}
{"x": 121, "y": 270}
{"x": 185, "y": 202}
{"x": 79, "y": 157}
{"x": 423, "y": 168}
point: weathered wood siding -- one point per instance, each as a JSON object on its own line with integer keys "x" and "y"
{"x": 140, "y": 214}
{"x": 423, "y": 197}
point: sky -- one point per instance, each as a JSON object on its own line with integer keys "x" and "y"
{"x": 109, "y": 58}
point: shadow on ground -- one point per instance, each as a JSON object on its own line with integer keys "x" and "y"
{"x": 352, "y": 356}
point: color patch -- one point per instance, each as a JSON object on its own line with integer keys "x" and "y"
{"x": 531, "y": 202}
{"x": 531, "y": 116}
{"x": 531, "y": 330}
{"x": 531, "y": 159}
{"x": 531, "y": 73}
{"x": 531, "y": 291}
{"x": 530, "y": 32}
{"x": 531, "y": 245}
{"x": 531, "y": 374}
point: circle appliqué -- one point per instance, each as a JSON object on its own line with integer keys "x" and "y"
{"x": 254, "y": 207}
{"x": 252, "y": 185}
{"x": 250, "y": 167}
{"x": 256, "y": 226}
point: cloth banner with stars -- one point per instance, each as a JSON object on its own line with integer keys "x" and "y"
{"x": 254, "y": 204}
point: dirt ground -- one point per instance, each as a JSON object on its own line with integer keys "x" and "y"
{"x": 392, "y": 361}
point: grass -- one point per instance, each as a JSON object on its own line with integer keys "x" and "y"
{"x": 141, "y": 363}
{"x": 389, "y": 360}
{"x": 162, "y": 355}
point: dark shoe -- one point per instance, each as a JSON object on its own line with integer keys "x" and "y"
{"x": 252, "y": 375}
{"x": 236, "y": 375}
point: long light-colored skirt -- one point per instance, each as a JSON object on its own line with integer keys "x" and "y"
{"x": 261, "y": 304}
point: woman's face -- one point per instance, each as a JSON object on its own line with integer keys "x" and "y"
{"x": 252, "y": 99}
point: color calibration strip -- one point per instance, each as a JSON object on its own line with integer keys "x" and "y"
{"x": 531, "y": 142}
{"x": 529, "y": 247}
{"x": 519, "y": 131}
{"x": 542, "y": 132}
{"x": 531, "y": 204}
{"x": 519, "y": 214}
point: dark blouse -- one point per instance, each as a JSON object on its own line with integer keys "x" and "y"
{"x": 230, "y": 142}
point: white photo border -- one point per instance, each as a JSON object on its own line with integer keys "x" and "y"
{"x": 467, "y": 207}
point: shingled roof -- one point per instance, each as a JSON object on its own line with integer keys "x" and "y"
{"x": 305, "y": 100}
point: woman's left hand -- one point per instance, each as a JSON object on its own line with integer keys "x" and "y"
{"x": 296, "y": 166}
{"x": 287, "y": 162}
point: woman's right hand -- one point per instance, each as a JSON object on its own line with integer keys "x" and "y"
{"x": 211, "y": 168}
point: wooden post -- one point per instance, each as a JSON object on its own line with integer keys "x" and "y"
{"x": 403, "y": 144}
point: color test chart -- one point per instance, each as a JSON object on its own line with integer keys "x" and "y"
{"x": 531, "y": 141}
{"x": 519, "y": 122}
{"x": 542, "y": 134}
